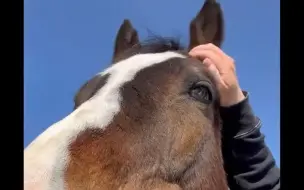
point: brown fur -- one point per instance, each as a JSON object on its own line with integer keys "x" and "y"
{"x": 162, "y": 138}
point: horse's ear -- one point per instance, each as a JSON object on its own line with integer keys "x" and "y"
{"x": 126, "y": 38}
{"x": 208, "y": 25}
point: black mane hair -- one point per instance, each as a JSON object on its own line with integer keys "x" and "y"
{"x": 154, "y": 44}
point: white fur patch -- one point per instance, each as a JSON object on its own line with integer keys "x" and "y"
{"x": 45, "y": 159}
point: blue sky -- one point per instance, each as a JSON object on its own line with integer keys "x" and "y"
{"x": 66, "y": 42}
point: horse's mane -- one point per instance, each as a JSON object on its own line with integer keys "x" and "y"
{"x": 158, "y": 44}
{"x": 154, "y": 44}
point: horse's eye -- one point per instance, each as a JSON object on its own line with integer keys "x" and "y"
{"x": 202, "y": 93}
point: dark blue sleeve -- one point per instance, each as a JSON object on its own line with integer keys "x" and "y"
{"x": 249, "y": 163}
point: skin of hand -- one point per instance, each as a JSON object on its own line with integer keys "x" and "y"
{"x": 221, "y": 68}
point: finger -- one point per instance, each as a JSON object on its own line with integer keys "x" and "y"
{"x": 212, "y": 47}
{"x": 204, "y": 54}
{"x": 220, "y": 52}
{"x": 211, "y": 70}
{"x": 215, "y": 49}
{"x": 207, "y": 62}
{"x": 214, "y": 74}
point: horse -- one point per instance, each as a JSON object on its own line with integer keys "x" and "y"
{"x": 148, "y": 121}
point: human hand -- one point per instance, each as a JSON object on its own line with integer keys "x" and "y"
{"x": 222, "y": 70}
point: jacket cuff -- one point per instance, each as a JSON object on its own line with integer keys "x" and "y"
{"x": 239, "y": 119}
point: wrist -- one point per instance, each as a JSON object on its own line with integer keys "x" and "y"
{"x": 232, "y": 98}
{"x": 239, "y": 119}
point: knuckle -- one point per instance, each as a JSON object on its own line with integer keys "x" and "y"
{"x": 230, "y": 59}
{"x": 210, "y": 44}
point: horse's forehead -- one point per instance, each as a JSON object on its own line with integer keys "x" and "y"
{"x": 126, "y": 70}
{"x": 109, "y": 96}
{"x": 120, "y": 73}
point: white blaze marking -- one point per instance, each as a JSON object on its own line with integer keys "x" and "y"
{"x": 45, "y": 159}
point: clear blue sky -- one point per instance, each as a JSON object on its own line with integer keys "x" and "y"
{"x": 67, "y": 42}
